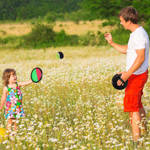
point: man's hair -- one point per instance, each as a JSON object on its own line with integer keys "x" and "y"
{"x": 129, "y": 14}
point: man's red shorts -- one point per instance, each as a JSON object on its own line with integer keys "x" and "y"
{"x": 134, "y": 92}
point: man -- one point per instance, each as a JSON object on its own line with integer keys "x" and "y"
{"x": 136, "y": 73}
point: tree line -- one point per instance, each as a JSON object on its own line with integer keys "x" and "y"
{"x": 77, "y": 9}
{"x": 27, "y": 9}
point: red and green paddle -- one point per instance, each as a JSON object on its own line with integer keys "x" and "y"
{"x": 36, "y": 75}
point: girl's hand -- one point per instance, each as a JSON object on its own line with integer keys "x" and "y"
{"x": 1, "y": 107}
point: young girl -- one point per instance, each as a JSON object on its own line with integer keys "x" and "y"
{"x": 13, "y": 97}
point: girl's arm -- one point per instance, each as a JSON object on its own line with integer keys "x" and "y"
{"x": 3, "y": 98}
{"x": 24, "y": 83}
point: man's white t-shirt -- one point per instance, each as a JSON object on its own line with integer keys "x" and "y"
{"x": 138, "y": 40}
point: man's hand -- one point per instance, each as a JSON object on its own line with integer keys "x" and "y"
{"x": 124, "y": 77}
{"x": 108, "y": 37}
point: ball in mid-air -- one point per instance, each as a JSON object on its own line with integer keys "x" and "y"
{"x": 60, "y": 55}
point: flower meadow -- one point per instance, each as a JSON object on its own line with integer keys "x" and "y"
{"x": 74, "y": 106}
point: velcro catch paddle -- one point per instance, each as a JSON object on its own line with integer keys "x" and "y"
{"x": 36, "y": 75}
{"x": 115, "y": 79}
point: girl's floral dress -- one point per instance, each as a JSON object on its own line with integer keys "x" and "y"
{"x": 14, "y": 108}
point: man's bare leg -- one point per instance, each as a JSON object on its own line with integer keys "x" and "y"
{"x": 143, "y": 121}
{"x": 136, "y": 131}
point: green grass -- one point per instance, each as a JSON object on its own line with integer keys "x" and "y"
{"x": 75, "y": 105}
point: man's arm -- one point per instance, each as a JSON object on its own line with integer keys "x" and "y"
{"x": 137, "y": 63}
{"x": 118, "y": 47}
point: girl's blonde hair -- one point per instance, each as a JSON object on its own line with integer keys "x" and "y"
{"x": 6, "y": 75}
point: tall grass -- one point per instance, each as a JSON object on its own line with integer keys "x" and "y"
{"x": 75, "y": 105}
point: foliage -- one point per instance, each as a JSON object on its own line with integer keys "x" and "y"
{"x": 44, "y": 36}
{"x": 27, "y": 9}
{"x": 107, "y": 9}
{"x": 62, "y": 39}
{"x": 108, "y": 23}
{"x": 10, "y": 42}
{"x": 92, "y": 39}
{"x": 75, "y": 10}
{"x": 102, "y": 8}
{"x": 52, "y": 16}
{"x": 120, "y": 35}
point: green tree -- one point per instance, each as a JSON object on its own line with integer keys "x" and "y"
{"x": 26, "y": 9}
{"x": 8, "y": 8}
{"x": 104, "y": 8}
{"x": 143, "y": 9}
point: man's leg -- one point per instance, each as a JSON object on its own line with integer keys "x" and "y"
{"x": 143, "y": 120}
{"x": 130, "y": 118}
{"x": 136, "y": 131}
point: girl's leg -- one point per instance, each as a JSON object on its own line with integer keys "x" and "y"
{"x": 136, "y": 131}
{"x": 15, "y": 124}
{"x": 9, "y": 125}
